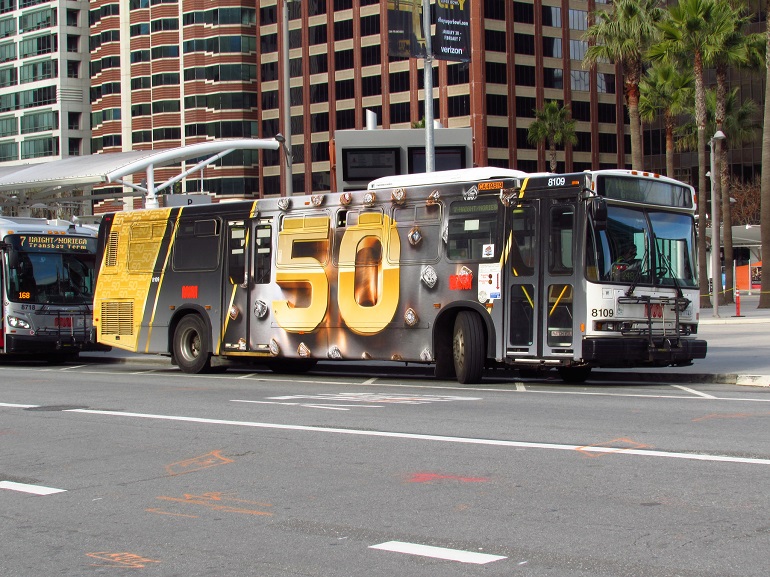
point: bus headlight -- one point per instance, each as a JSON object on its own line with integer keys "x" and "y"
{"x": 17, "y": 323}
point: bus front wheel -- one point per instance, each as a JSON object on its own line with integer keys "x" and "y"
{"x": 192, "y": 350}
{"x": 468, "y": 348}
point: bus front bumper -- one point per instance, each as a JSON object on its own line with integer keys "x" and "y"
{"x": 608, "y": 352}
{"x": 27, "y": 344}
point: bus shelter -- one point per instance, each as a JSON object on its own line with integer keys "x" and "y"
{"x": 41, "y": 183}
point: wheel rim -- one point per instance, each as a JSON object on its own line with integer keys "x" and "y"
{"x": 191, "y": 345}
{"x": 458, "y": 349}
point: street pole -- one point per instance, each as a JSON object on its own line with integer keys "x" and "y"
{"x": 428, "y": 82}
{"x": 716, "y": 243}
{"x": 286, "y": 85}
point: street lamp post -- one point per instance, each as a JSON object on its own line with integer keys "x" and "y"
{"x": 286, "y": 86}
{"x": 716, "y": 268}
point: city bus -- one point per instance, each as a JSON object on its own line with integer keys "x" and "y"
{"x": 464, "y": 270}
{"x": 47, "y": 279}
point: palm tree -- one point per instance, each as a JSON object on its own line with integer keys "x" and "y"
{"x": 692, "y": 33}
{"x": 552, "y": 126}
{"x": 739, "y": 49}
{"x": 764, "y": 297}
{"x": 622, "y": 35}
{"x": 666, "y": 89}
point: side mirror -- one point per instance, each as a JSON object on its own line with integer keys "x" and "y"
{"x": 597, "y": 208}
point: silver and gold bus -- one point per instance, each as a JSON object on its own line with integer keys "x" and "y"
{"x": 461, "y": 269}
{"x": 47, "y": 279}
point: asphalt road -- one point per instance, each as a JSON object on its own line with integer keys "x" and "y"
{"x": 148, "y": 471}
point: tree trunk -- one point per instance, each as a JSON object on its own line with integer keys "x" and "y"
{"x": 722, "y": 168}
{"x": 669, "y": 144}
{"x": 700, "y": 122}
{"x": 637, "y": 152}
{"x": 764, "y": 297}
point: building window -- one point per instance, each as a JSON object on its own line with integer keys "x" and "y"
{"x": 495, "y": 40}
{"x": 553, "y": 78}
{"x": 39, "y": 147}
{"x": 523, "y": 13}
{"x": 577, "y": 49}
{"x": 552, "y": 16}
{"x": 497, "y": 105}
{"x": 605, "y": 83}
{"x": 524, "y": 44}
{"x": 525, "y": 75}
{"x": 497, "y": 72}
{"x": 525, "y": 107}
{"x": 607, "y": 113}
{"x": 497, "y": 136}
{"x": 35, "y": 71}
{"x": 578, "y": 19}
{"x": 9, "y": 126}
{"x": 8, "y": 77}
{"x": 608, "y": 143}
{"x": 552, "y": 47}
{"x": 9, "y": 151}
{"x": 73, "y": 68}
{"x": 581, "y": 110}
{"x": 579, "y": 80}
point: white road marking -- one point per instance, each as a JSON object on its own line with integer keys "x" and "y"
{"x": 34, "y": 489}
{"x": 520, "y": 387}
{"x": 316, "y": 406}
{"x": 17, "y": 406}
{"x": 694, "y": 392}
{"x": 437, "y": 438}
{"x": 370, "y": 381}
{"x": 438, "y": 552}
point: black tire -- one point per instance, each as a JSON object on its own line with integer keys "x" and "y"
{"x": 468, "y": 350}
{"x": 574, "y": 374}
{"x": 192, "y": 347}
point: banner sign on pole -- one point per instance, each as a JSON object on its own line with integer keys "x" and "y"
{"x": 405, "y": 34}
{"x": 453, "y": 30}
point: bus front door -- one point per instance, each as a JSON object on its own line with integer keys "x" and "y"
{"x": 540, "y": 273}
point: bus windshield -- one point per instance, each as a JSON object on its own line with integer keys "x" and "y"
{"x": 643, "y": 246}
{"x": 51, "y": 277}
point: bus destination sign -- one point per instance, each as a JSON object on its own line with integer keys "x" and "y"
{"x": 51, "y": 242}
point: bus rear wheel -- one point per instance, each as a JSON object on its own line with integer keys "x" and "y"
{"x": 192, "y": 349}
{"x": 468, "y": 348}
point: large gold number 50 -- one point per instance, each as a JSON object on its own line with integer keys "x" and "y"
{"x": 309, "y": 271}
{"x": 369, "y": 320}
{"x": 361, "y": 319}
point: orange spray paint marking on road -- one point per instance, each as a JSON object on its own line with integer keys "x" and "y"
{"x": 215, "y": 501}
{"x": 611, "y": 447}
{"x": 212, "y": 459}
{"x": 430, "y": 477}
{"x": 121, "y": 560}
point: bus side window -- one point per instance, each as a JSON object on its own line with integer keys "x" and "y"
{"x": 200, "y": 239}
{"x": 263, "y": 253}
{"x": 472, "y": 233}
{"x": 561, "y": 240}
{"x": 236, "y": 253}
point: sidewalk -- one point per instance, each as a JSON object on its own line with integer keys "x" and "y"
{"x": 738, "y": 349}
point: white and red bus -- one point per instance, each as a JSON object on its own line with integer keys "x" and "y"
{"x": 47, "y": 279}
{"x": 461, "y": 269}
